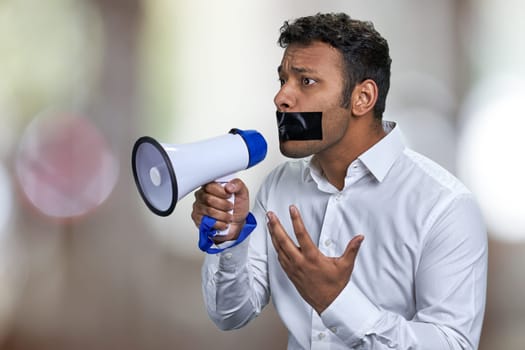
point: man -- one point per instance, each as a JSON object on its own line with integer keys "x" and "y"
{"x": 419, "y": 280}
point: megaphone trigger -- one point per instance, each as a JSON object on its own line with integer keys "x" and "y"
{"x": 223, "y": 181}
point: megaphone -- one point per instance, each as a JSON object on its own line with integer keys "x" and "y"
{"x": 165, "y": 173}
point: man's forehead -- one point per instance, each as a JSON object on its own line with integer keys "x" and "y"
{"x": 297, "y": 69}
{"x": 309, "y": 58}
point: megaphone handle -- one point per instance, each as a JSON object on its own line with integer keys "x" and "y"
{"x": 223, "y": 181}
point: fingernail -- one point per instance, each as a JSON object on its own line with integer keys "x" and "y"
{"x": 293, "y": 209}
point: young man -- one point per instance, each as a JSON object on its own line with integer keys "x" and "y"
{"x": 419, "y": 280}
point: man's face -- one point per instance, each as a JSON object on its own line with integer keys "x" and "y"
{"x": 312, "y": 81}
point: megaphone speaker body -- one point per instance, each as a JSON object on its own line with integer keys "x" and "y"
{"x": 165, "y": 173}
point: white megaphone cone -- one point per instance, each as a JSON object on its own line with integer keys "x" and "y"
{"x": 165, "y": 173}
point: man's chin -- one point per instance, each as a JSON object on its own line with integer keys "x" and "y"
{"x": 295, "y": 149}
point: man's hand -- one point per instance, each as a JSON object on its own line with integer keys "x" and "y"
{"x": 212, "y": 200}
{"x": 318, "y": 278}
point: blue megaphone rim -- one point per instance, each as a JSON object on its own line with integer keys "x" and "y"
{"x": 256, "y": 144}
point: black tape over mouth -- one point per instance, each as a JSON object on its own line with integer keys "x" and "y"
{"x": 299, "y": 126}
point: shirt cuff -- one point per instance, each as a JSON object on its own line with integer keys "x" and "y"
{"x": 234, "y": 256}
{"x": 351, "y": 315}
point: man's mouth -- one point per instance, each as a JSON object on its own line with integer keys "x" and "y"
{"x": 299, "y": 126}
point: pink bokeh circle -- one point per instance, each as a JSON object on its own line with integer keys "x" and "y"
{"x": 65, "y": 166}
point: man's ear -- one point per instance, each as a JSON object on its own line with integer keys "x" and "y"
{"x": 364, "y": 97}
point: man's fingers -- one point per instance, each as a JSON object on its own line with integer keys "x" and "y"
{"x": 215, "y": 189}
{"x": 241, "y": 204}
{"x": 280, "y": 239}
{"x": 352, "y": 249}
{"x": 303, "y": 238}
{"x": 211, "y": 200}
{"x": 223, "y": 219}
{"x": 276, "y": 230}
{"x": 237, "y": 187}
{"x": 217, "y": 199}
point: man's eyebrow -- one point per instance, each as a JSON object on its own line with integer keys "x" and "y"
{"x": 303, "y": 70}
{"x": 298, "y": 70}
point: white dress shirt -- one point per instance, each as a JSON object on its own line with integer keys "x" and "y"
{"x": 419, "y": 280}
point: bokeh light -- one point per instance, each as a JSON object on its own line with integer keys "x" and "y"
{"x": 7, "y": 275}
{"x": 64, "y": 165}
{"x": 51, "y": 51}
{"x": 489, "y": 157}
{"x": 6, "y": 201}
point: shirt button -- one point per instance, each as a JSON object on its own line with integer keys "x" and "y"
{"x": 333, "y": 329}
{"x": 338, "y": 196}
{"x": 321, "y": 336}
{"x": 228, "y": 256}
{"x": 328, "y": 242}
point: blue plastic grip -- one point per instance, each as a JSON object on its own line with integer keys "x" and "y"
{"x": 207, "y": 232}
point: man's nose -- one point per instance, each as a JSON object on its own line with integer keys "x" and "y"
{"x": 285, "y": 99}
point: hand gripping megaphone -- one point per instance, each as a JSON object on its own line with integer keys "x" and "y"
{"x": 165, "y": 173}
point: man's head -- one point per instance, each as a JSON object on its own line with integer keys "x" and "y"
{"x": 365, "y": 53}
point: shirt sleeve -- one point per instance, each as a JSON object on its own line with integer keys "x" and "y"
{"x": 450, "y": 292}
{"x": 235, "y": 282}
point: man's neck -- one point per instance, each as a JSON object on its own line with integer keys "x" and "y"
{"x": 335, "y": 161}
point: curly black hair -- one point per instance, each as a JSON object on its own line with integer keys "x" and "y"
{"x": 365, "y": 52}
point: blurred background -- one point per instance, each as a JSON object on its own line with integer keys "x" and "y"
{"x": 85, "y": 265}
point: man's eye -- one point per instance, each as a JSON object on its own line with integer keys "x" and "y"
{"x": 281, "y": 81}
{"x": 308, "y": 81}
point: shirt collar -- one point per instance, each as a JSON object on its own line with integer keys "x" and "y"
{"x": 378, "y": 159}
